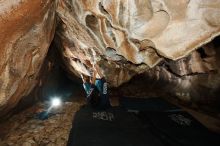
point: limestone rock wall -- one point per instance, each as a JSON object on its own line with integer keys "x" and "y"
{"x": 192, "y": 82}
{"x": 165, "y": 40}
{"x": 133, "y": 36}
{"x": 26, "y": 31}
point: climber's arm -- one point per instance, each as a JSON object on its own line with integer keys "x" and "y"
{"x": 96, "y": 67}
{"x": 92, "y": 81}
{"x": 83, "y": 78}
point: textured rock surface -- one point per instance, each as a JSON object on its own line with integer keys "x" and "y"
{"x": 26, "y": 31}
{"x": 128, "y": 37}
{"x": 192, "y": 82}
{"x": 24, "y": 130}
{"x": 77, "y": 45}
{"x": 158, "y": 38}
{"x": 139, "y": 32}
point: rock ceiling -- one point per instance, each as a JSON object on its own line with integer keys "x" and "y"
{"x": 125, "y": 37}
{"x": 140, "y": 33}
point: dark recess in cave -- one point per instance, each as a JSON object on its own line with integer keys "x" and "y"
{"x": 55, "y": 82}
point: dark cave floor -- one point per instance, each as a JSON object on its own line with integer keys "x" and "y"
{"x": 139, "y": 122}
{"x": 130, "y": 122}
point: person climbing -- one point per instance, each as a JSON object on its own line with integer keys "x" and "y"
{"x": 96, "y": 89}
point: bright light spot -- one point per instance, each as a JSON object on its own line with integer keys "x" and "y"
{"x": 56, "y": 102}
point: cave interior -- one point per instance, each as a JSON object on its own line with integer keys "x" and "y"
{"x": 160, "y": 60}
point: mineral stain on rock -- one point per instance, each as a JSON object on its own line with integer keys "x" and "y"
{"x": 163, "y": 48}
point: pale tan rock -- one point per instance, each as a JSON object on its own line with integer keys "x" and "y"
{"x": 139, "y": 32}
{"x": 27, "y": 29}
{"x": 51, "y": 144}
{"x": 124, "y": 37}
{"x": 29, "y": 142}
